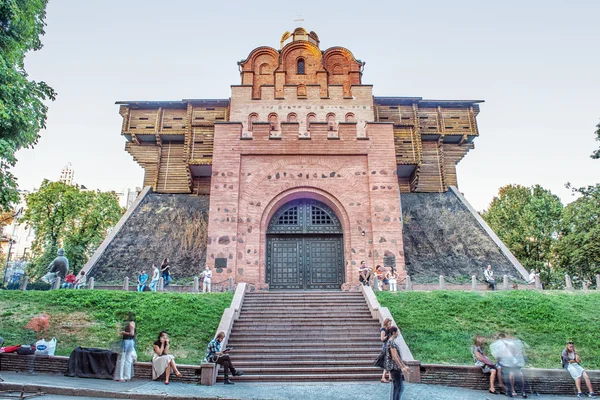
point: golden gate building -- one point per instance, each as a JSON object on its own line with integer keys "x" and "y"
{"x": 303, "y": 165}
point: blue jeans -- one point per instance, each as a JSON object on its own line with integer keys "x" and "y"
{"x": 141, "y": 287}
{"x": 166, "y": 279}
{"x": 153, "y": 285}
{"x": 397, "y": 384}
{"x": 125, "y": 366}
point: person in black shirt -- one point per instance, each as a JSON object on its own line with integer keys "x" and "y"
{"x": 164, "y": 271}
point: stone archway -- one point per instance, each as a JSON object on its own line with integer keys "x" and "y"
{"x": 304, "y": 247}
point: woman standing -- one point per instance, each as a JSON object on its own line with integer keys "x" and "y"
{"x": 166, "y": 275}
{"x": 162, "y": 361}
{"x": 207, "y": 279}
{"x": 570, "y": 362}
{"x": 394, "y": 364}
{"x": 384, "y": 336}
{"x": 392, "y": 277}
{"x": 155, "y": 277}
{"x": 124, "y": 369}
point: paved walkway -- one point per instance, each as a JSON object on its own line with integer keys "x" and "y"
{"x": 61, "y": 387}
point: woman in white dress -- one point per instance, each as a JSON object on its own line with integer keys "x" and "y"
{"x": 162, "y": 361}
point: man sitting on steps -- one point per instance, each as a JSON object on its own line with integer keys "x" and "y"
{"x": 214, "y": 354}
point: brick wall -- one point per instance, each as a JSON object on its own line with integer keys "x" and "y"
{"x": 253, "y": 177}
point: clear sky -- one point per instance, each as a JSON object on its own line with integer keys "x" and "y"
{"x": 535, "y": 63}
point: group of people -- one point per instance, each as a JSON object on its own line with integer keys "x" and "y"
{"x": 164, "y": 272}
{"x": 387, "y": 278}
{"x": 59, "y": 269}
{"x": 163, "y": 361}
{"x": 488, "y": 277}
{"x": 510, "y": 356}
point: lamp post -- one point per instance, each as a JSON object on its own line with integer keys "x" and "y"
{"x": 11, "y": 241}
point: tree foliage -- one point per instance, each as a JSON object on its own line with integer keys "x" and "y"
{"x": 527, "y": 220}
{"x": 64, "y": 215}
{"x": 22, "y": 108}
{"x": 596, "y": 153}
{"x": 578, "y": 247}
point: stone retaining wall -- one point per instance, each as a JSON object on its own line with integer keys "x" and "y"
{"x": 551, "y": 381}
{"x": 60, "y": 364}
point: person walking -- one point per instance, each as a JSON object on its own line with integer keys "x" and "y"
{"x": 489, "y": 277}
{"x": 162, "y": 360}
{"x": 394, "y": 364}
{"x": 165, "y": 273}
{"x": 142, "y": 279}
{"x": 571, "y": 362}
{"x": 155, "y": 277}
{"x": 221, "y": 357}
{"x": 206, "y": 280}
{"x": 511, "y": 358}
{"x": 124, "y": 369}
{"x": 384, "y": 335}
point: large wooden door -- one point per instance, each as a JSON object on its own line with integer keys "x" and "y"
{"x": 305, "y": 248}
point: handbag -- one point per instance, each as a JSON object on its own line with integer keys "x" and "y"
{"x": 380, "y": 361}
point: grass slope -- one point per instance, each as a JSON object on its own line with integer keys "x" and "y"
{"x": 92, "y": 318}
{"x": 439, "y": 326}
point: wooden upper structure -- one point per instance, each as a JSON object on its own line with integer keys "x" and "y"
{"x": 173, "y": 140}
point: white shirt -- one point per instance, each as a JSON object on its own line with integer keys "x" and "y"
{"x": 489, "y": 275}
{"x": 207, "y": 275}
{"x": 155, "y": 274}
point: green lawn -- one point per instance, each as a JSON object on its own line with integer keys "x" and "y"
{"x": 91, "y": 318}
{"x": 438, "y": 326}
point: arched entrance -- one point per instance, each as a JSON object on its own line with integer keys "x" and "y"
{"x": 305, "y": 247}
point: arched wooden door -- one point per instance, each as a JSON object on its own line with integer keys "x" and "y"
{"x": 305, "y": 247}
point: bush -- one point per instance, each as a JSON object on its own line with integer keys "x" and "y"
{"x": 38, "y": 286}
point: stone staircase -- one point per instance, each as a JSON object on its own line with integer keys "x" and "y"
{"x": 305, "y": 336}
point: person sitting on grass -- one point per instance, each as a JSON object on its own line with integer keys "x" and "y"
{"x": 162, "y": 360}
{"x": 571, "y": 362}
{"x": 487, "y": 366}
{"x": 216, "y": 355}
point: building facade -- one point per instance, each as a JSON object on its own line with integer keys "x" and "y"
{"x": 303, "y": 165}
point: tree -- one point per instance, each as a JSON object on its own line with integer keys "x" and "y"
{"x": 64, "y": 215}
{"x": 22, "y": 108}
{"x": 596, "y": 154}
{"x": 578, "y": 248}
{"x": 527, "y": 220}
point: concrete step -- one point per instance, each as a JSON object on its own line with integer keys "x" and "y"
{"x": 351, "y": 335}
{"x": 365, "y": 362}
{"x": 308, "y": 323}
{"x": 246, "y": 339}
{"x": 287, "y": 318}
{"x": 304, "y": 306}
{"x": 320, "y": 312}
{"x": 312, "y": 356}
{"x": 306, "y": 377}
{"x": 294, "y": 346}
{"x": 305, "y": 349}
{"x": 309, "y": 370}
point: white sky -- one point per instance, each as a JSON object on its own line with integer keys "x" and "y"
{"x": 535, "y": 63}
